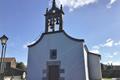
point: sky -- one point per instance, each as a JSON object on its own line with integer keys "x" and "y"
{"x": 95, "y": 21}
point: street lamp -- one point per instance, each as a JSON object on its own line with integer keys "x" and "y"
{"x": 4, "y": 40}
{"x": 2, "y": 65}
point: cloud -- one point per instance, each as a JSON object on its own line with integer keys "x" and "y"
{"x": 28, "y": 43}
{"x": 25, "y": 46}
{"x": 95, "y": 51}
{"x": 115, "y": 53}
{"x": 112, "y": 62}
{"x": 117, "y": 43}
{"x": 73, "y": 4}
{"x": 109, "y": 5}
{"x": 116, "y": 63}
{"x": 110, "y": 56}
{"x": 109, "y": 43}
{"x": 96, "y": 47}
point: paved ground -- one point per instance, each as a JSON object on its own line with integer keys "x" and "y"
{"x": 111, "y": 79}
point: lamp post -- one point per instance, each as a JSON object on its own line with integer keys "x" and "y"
{"x": 2, "y": 64}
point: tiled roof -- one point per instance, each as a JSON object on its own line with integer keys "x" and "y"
{"x": 13, "y": 72}
{"x": 116, "y": 67}
{"x": 8, "y": 59}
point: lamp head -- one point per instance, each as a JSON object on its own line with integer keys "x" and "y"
{"x": 4, "y": 40}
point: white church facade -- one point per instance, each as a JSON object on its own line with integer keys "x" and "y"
{"x": 58, "y": 56}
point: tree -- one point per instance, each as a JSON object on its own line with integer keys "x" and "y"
{"x": 20, "y": 65}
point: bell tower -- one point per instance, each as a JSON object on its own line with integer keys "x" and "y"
{"x": 53, "y": 18}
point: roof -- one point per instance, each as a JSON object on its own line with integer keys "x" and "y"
{"x": 116, "y": 67}
{"x": 8, "y": 59}
{"x": 86, "y": 48}
{"x": 13, "y": 72}
{"x": 78, "y": 40}
{"x": 94, "y": 54}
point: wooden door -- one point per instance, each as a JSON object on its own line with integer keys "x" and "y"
{"x": 53, "y": 72}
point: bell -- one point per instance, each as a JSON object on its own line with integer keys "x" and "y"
{"x": 48, "y": 19}
{"x": 51, "y": 23}
{"x": 57, "y": 21}
{"x": 51, "y": 27}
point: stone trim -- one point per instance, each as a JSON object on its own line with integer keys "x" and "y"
{"x": 45, "y": 71}
{"x": 61, "y": 78}
{"x": 44, "y": 78}
{"x": 53, "y": 63}
{"x": 53, "y": 54}
{"x": 62, "y": 71}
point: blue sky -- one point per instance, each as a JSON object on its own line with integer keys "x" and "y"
{"x": 96, "y": 21}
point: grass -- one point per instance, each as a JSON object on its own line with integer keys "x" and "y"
{"x": 107, "y": 78}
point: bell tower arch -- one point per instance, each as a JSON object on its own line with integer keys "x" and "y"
{"x": 54, "y": 18}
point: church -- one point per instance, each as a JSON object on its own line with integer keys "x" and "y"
{"x": 58, "y": 56}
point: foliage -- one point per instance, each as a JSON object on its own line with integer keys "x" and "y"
{"x": 20, "y": 65}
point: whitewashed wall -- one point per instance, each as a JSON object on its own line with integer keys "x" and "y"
{"x": 69, "y": 52}
{"x": 86, "y": 63}
{"x": 15, "y": 78}
{"x": 94, "y": 67}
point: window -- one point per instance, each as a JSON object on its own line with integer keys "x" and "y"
{"x": 53, "y": 54}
